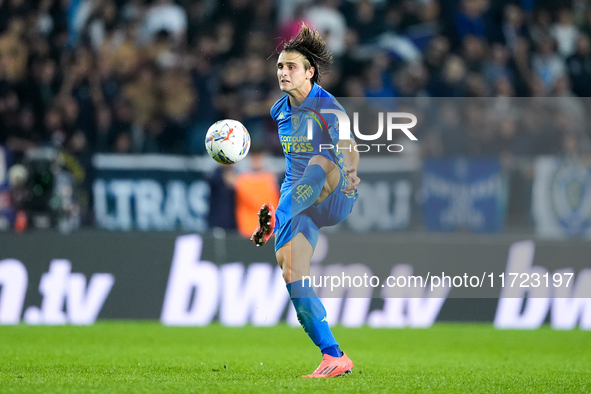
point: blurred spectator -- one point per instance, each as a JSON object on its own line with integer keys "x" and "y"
{"x": 289, "y": 27}
{"x": 541, "y": 24}
{"x": 9, "y": 106}
{"x": 419, "y": 20}
{"x": 177, "y": 94}
{"x": 497, "y": 66}
{"x": 579, "y": 67}
{"x": 330, "y": 22}
{"x": 20, "y": 194}
{"x": 546, "y": 63}
{"x": 474, "y": 50}
{"x": 254, "y": 188}
{"x": 13, "y": 51}
{"x": 54, "y": 129}
{"x": 9, "y": 183}
{"x": 133, "y": 9}
{"x": 436, "y": 55}
{"x": 291, "y": 10}
{"x": 378, "y": 85}
{"x": 365, "y": 20}
{"x": 475, "y": 86}
{"x": 265, "y": 15}
{"x": 142, "y": 94}
{"x": 121, "y": 56}
{"x": 42, "y": 85}
{"x": 24, "y": 136}
{"x": 5, "y": 14}
{"x": 102, "y": 24}
{"x": 512, "y": 28}
{"x": 565, "y": 33}
{"x": 450, "y": 82}
{"x": 154, "y": 140}
{"x": 562, "y": 88}
{"x": 254, "y": 93}
{"x": 122, "y": 143}
{"x": 167, "y": 16}
{"x": 124, "y": 121}
{"x": 104, "y": 129}
{"x": 470, "y": 19}
{"x": 222, "y": 202}
{"x": 411, "y": 80}
{"x": 586, "y": 23}
{"x": 503, "y": 88}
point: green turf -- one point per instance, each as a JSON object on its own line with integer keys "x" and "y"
{"x": 121, "y": 357}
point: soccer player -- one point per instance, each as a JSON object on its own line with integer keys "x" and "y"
{"x": 319, "y": 189}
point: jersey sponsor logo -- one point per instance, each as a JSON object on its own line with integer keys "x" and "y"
{"x": 296, "y": 144}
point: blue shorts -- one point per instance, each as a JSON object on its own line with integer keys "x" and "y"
{"x": 333, "y": 210}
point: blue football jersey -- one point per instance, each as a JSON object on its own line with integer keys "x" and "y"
{"x": 293, "y": 132}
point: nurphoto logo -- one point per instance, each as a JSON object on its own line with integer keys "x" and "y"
{"x": 345, "y": 130}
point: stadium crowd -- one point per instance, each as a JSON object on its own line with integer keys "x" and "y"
{"x": 141, "y": 76}
{"x": 151, "y": 76}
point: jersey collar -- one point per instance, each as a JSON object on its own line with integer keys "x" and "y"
{"x": 314, "y": 92}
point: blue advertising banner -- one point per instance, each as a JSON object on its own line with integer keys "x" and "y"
{"x": 463, "y": 194}
{"x": 386, "y": 192}
{"x": 150, "y": 192}
{"x": 168, "y": 192}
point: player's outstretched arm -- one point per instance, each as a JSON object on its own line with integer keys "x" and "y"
{"x": 351, "y": 159}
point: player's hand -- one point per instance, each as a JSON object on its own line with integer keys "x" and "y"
{"x": 352, "y": 180}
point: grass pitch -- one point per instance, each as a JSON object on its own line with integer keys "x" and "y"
{"x": 121, "y": 357}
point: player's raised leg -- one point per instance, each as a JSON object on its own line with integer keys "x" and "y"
{"x": 294, "y": 259}
{"x": 319, "y": 180}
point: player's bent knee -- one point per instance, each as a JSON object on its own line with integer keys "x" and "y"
{"x": 323, "y": 162}
{"x": 332, "y": 175}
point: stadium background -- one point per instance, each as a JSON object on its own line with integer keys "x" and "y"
{"x": 112, "y": 217}
{"x": 104, "y": 107}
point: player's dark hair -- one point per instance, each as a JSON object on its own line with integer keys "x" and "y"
{"x": 309, "y": 43}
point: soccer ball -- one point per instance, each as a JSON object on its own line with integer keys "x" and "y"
{"x": 227, "y": 141}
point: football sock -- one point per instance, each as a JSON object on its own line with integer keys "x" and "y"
{"x": 303, "y": 193}
{"x": 312, "y": 316}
